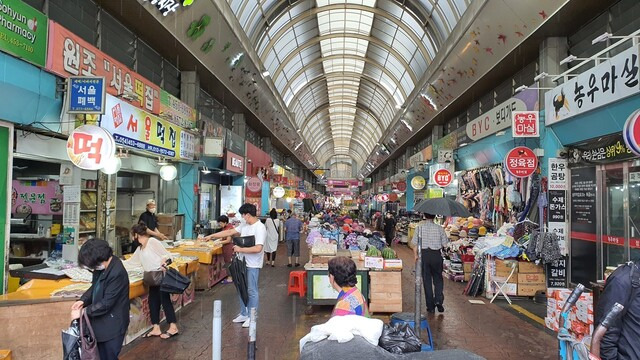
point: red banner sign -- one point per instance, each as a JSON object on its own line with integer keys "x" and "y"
{"x": 69, "y": 55}
{"x": 521, "y": 162}
{"x": 443, "y": 177}
{"x": 402, "y": 185}
{"x": 235, "y": 163}
{"x": 525, "y": 124}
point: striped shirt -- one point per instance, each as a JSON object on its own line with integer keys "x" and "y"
{"x": 432, "y": 234}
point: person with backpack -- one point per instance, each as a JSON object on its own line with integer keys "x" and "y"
{"x": 620, "y": 342}
{"x": 273, "y": 233}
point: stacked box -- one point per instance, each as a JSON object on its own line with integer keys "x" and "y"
{"x": 531, "y": 279}
{"x": 580, "y": 317}
{"x": 468, "y": 270}
{"x": 499, "y": 270}
{"x": 386, "y": 291}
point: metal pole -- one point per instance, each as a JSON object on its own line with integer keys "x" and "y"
{"x": 418, "y": 305}
{"x": 251, "y": 350}
{"x": 216, "y": 352}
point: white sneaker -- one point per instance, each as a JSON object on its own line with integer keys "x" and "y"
{"x": 240, "y": 319}
{"x": 246, "y": 323}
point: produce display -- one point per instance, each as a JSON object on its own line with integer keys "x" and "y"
{"x": 373, "y": 252}
{"x": 388, "y": 253}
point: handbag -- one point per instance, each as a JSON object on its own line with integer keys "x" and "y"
{"x": 245, "y": 241}
{"x": 88, "y": 343}
{"x": 174, "y": 282}
{"x": 153, "y": 278}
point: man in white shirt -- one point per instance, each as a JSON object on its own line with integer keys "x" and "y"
{"x": 254, "y": 256}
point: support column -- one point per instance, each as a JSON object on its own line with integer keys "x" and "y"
{"x": 267, "y": 146}
{"x": 189, "y": 174}
{"x": 239, "y": 125}
{"x": 436, "y": 134}
{"x": 552, "y": 51}
{"x": 190, "y": 88}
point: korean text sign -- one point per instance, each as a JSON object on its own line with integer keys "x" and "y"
{"x": 86, "y": 95}
{"x": 36, "y": 197}
{"x": 525, "y": 124}
{"x": 138, "y": 129}
{"x": 176, "y": 111}
{"x": 610, "y": 81}
{"x": 23, "y": 31}
{"x": 521, "y": 162}
{"x": 69, "y": 55}
{"x": 89, "y": 147}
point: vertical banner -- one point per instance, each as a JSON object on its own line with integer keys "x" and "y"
{"x": 557, "y": 218}
{"x": 6, "y": 148}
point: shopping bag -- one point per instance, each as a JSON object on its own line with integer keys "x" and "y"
{"x": 399, "y": 339}
{"x": 88, "y": 343}
{"x": 71, "y": 342}
{"x": 174, "y": 282}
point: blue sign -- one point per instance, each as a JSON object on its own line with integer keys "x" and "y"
{"x": 301, "y": 185}
{"x": 86, "y": 95}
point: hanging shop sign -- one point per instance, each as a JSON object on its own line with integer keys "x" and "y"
{"x": 402, "y": 186}
{"x": 558, "y": 174}
{"x": 393, "y": 197}
{"x": 610, "y": 81}
{"x": 177, "y": 112}
{"x": 69, "y": 55}
{"x": 36, "y": 198}
{"x": 86, "y": 95}
{"x": 23, "y": 31}
{"x": 496, "y": 119}
{"x": 521, "y": 162}
{"x": 604, "y": 150}
{"x": 140, "y": 130}
{"x": 254, "y": 185}
{"x": 214, "y": 147}
{"x": 525, "y": 124}
{"x": 90, "y": 147}
{"x": 418, "y": 182}
{"x": 234, "y": 163}
{"x": 445, "y": 156}
{"x": 278, "y": 192}
{"x": 383, "y": 197}
{"x": 631, "y": 132}
{"x": 234, "y": 142}
{"x": 442, "y": 177}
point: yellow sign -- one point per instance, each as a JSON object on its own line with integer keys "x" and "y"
{"x": 435, "y": 193}
{"x": 318, "y": 172}
{"x": 418, "y": 182}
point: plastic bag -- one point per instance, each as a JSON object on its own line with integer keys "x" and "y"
{"x": 71, "y": 342}
{"x": 399, "y": 339}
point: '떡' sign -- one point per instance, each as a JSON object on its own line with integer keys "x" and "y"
{"x": 23, "y": 31}
{"x": 610, "y": 81}
{"x": 86, "y": 95}
{"x": 558, "y": 176}
{"x": 631, "y": 132}
{"x": 69, "y": 55}
{"x": 525, "y": 124}
{"x": 89, "y": 147}
{"x": 521, "y": 162}
{"x": 443, "y": 177}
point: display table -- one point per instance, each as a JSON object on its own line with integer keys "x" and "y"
{"x": 319, "y": 291}
{"x": 205, "y": 254}
{"x": 32, "y": 320}
{"x": 211, "y": 260}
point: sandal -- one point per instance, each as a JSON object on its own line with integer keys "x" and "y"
{"x": 150, "y": 335}
{"x": 169, "y": 335}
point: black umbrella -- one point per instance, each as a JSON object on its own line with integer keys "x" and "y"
{"x": 238, "y": 270}
{"x": 173, "y": 282}
{"x": 442, "y": 206}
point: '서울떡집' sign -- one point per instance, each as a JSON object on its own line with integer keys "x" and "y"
{"x": 138, "y": 129}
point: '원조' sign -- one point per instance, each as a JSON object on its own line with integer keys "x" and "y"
{"x": 86, "y": 95}
{"x": 23, "y": 31}
{"x": 521, "y": 162}
{"x": 69, "y": 55}
{"x": 89, "y": 147}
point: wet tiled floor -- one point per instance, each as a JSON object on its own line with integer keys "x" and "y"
{"x": 487, "y": 330}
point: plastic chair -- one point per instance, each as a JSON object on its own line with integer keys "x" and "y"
{"x": 408, "y": 318}
{"x": 297, "y": 283}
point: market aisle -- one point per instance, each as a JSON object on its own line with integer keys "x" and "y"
{"x": 487, "y": 330}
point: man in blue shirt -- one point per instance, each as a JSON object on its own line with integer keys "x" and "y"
{"x": 293, "y": 228}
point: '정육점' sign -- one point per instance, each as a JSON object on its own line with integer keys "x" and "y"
{"x": 525, "y": 124}
{"x": 87, "y": 95}
{"x": 90, "y": 147}
{"x": 443, "y": 177}
{"x": 521, "y": 162}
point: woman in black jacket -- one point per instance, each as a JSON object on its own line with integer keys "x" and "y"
{"x": 107, "y": 300}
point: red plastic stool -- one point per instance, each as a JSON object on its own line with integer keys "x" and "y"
{"x": 297, "y": 283}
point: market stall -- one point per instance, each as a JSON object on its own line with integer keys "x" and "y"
{"x": 22, "y": 312}
{"x": 209, "y": 254}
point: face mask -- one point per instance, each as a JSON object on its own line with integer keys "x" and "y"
{"x": 99, "y": 267}
{"x": 152, "y": 210}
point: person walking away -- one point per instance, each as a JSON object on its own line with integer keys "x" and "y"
{"x": 273, "y": 231}
{"x": 227, "y": 246}
{"x": 389, "y": 228}
{"x": 151, "y": 220}
{"x": 152, "y": 256}
{"x": 342, "y": 277}
{"x": 106, "y": 303}
{"x": 254, "y": 256}
{"x": 620, "y": 342}
{"x": 433, "y": 240}
{"x": 293, "y": 228}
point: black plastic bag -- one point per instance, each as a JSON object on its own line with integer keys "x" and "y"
{"x": 399, "y": 339}
{"x": 71, "y": 342}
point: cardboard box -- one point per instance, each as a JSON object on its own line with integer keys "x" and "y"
{"x": 467, "y": 276}
{"x": 467, "y": 267}
{"x": 500, "y": 280}
{"x": 529, "y": 289}
{"x": 505, "y": 265}
{"x": 524, "y": 278}
{"x": 527, "y": 267}
{"x": 505, "y": 274}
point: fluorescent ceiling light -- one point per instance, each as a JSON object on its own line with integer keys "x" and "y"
{"x": 265, "y": 74}
{"x": 602, "y": 38}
